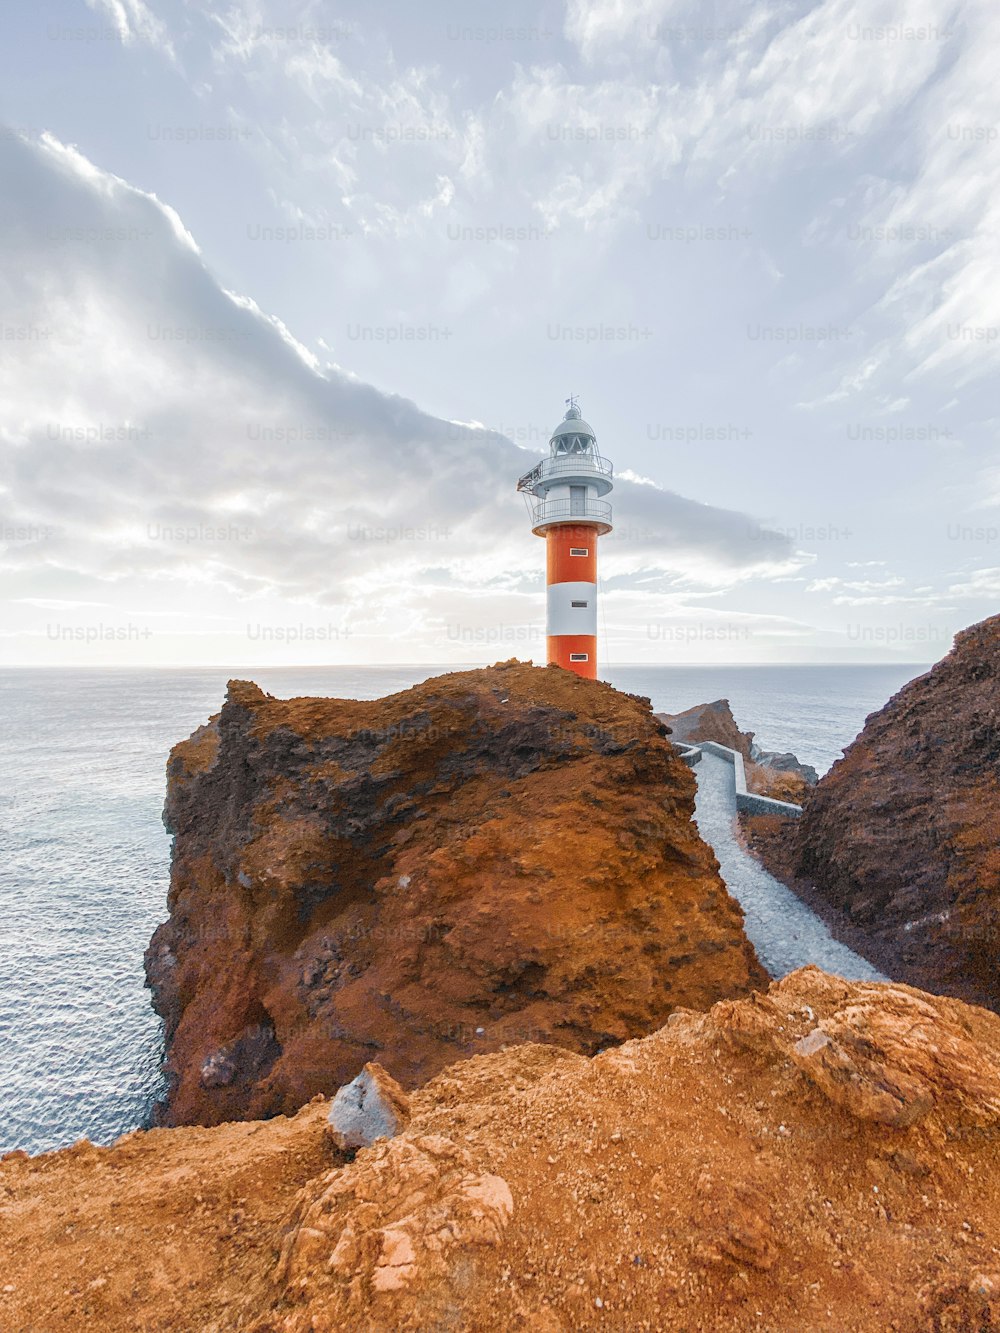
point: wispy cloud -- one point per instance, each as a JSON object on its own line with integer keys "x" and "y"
{"x": 134, "y": 21}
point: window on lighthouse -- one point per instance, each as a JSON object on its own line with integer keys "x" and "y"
{"x": 577, "y": 499}
{"x": 578, "y": 603}
{"x": 579, "y": 550}
{"x": 579, "y": 657}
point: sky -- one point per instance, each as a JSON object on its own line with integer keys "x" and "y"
{"x": 291, "y": 295}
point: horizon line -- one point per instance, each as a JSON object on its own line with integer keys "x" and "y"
{"x": 406, "y": 666}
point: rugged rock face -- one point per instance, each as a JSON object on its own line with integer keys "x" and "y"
{"x": 783, "y": 761}
{"x": 708, "y": 722}
{"x": 770, "y": 773}
{"x": 491, "y": 857}
{"x": 825, "y": 1156}
{"x": 902, "y": 836}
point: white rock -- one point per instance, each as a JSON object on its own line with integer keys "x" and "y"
{"x": 372, "y": 1106}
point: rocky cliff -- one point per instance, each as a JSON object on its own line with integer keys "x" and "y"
{"x": 491, "y": 857}
{"x": 708, "y": 722}
{"x": 770, "y": 773}
{"x": 826, "y": 1156}
{"x": 902, "y": 836}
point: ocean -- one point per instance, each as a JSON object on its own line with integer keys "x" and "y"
{"x": 85, "y": 855}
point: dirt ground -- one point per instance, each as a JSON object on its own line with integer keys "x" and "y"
{"x": 821, "y": 1158}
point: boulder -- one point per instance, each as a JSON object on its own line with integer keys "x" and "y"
{"x": 372, "y": 1106}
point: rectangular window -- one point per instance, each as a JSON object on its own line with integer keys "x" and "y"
{"x": 579, "y": 550}
{"x": 579, "y": 657}
{"x": 578, "y": 603}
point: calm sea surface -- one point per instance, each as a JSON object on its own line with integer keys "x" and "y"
{"x": 84, "y": 854}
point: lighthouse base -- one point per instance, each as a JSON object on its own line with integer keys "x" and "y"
{"x": 575, "y": 652}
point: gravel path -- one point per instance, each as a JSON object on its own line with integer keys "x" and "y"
{"x": 785, "y": 932}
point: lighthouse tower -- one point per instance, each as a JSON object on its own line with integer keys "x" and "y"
{"x": 569, "y": 512}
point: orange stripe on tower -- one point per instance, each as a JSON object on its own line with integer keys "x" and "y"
{"x": 562, "y": 566}
{"x": 561, "y": 648}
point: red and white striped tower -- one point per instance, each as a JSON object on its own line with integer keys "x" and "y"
{"x": 570, "y": 514}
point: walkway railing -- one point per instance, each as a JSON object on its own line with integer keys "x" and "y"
{"x": 750, "y": 801}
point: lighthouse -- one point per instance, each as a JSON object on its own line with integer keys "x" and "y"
{"x": 569, "y": 511}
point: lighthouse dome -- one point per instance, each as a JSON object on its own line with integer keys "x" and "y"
{"x": 573, "y": 433}
{"x": 574, "y": 426}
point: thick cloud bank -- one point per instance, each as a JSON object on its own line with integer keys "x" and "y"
{"x": 166, "y": 444}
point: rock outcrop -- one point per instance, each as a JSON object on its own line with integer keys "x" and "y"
{"x": 708, "y": 722}
{"x": 778, "y": 774}
{"x": 822, "y": 1156}
{"x": 491, "y": 857}
{"x": 902, "y": 837}
{"x": 372, "y": 1106}
{"x": 783, "y": 761}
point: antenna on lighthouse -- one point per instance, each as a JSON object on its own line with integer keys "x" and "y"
{"x": 573, "y": 403}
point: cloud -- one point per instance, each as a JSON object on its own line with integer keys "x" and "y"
{"x": 714, "y": 106}
{"x": 598, "y": 26}
{"x": 727, "y": 103}
{"x": 134, "y": 21}
{"x": 981, "y": 583}
{"x": 163, "y": 433}
{"x": 871, "y": 592}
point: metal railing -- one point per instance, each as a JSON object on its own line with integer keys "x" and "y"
{"x": 569, "y": 465}
{"x": 576, "y": 465}
{"x": 558, "y": 511}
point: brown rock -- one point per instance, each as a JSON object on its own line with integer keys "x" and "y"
{"x": 398, "y": 1218}
{"x": 491, "y": 857}
{"x": 737, "y": 1222}
{"x": 780, "y": 784}
{"x": 900, "y": 838}
{"x": 960, "y": 1304}
{"x": 892, "y": 1057}
{"x": 708, "y": 722}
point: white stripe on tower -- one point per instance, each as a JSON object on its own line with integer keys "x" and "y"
{"x": 571, "y": 609}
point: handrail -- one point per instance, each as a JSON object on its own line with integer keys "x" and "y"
{"x": 576, "y": 463}
{"x": 584, "y": 509}
{"x": 569, "y": 465}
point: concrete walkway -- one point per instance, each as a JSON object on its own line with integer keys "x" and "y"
{"x": 785, "y": 932}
